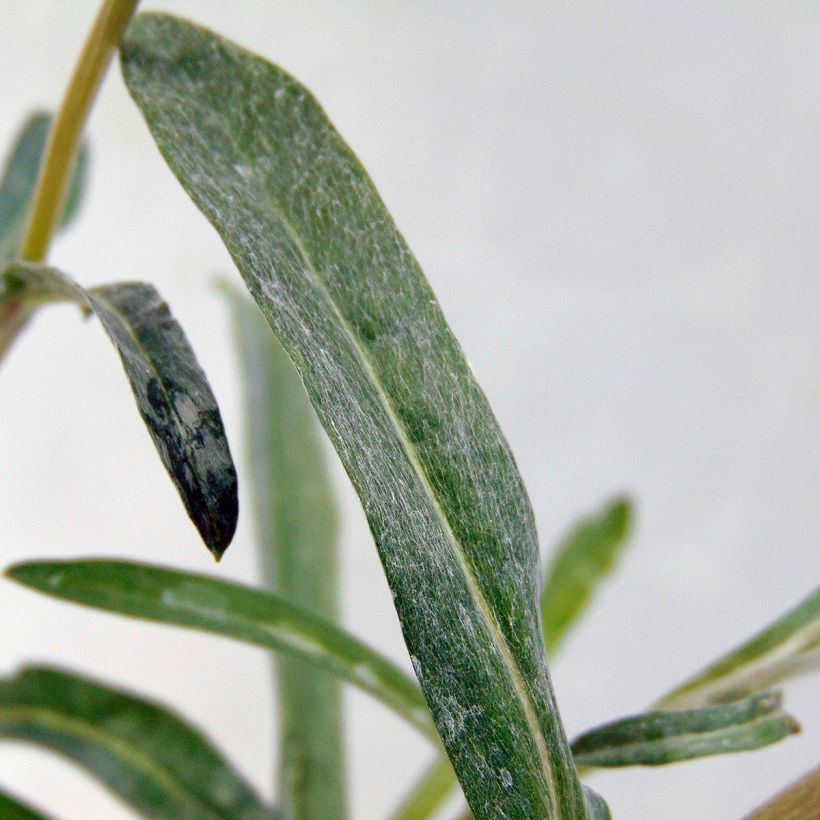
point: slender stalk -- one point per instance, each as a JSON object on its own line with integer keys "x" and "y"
{"x": 65, "y": 136}
{"x": 13, "y": 318}
{"x": 800, "y": 801}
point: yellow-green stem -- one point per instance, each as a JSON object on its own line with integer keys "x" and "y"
{"x": 66, "y": 133}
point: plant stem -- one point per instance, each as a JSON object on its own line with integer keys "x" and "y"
{"x": 66, "y": 133}
{"x": 13, "y": 317}
{"x": 797, "y": 802}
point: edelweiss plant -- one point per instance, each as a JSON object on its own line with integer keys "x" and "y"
{"x": 359, "y": 339}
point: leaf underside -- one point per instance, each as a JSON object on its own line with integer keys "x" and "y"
{"x": 172, "y": 393}
{"x": 296, "y": 537}
{"x": 142, "y": 752}
{"x": 176, "y": 404}
{"x": 336, "y": 281}
{"x": 657, "y": 738}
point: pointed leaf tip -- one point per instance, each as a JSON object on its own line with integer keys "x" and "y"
{"x": 172, "y": 392}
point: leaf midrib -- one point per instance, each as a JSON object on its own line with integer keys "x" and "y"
{"x": 488, "y": 617}
{"x": 127, "y": 751}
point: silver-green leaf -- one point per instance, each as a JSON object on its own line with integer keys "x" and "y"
{"x": 232, "y": 610}
{"x": 147, "y": 755}
{"x": 789, "y": 646}
{"x": 337, "y": 282}
{"x": 657, "y": 738}
{"x": 16, "y": 193}
{"x": 172, "y": 392}
{"x": 20, "y": 179}
{"x": 296, "y": 537}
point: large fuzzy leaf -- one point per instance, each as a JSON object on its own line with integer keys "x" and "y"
{"x": 656, "y": 738}
{"x": 144, "y": 753}
{"x": 443, "y": 497}
{"x": 172, "y": 393}
{"x": 789, "y": 646}
{"x": 229, "y": 609}
{"x": 581, "y": 562}
{"x": 296, "y": 536}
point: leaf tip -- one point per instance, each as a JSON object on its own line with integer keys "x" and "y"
{"x": 33, "y": 574}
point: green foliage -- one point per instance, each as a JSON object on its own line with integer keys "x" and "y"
{"x": 787, "y": 647}
{"x": 172, "y": 393}
{"x": 336, "y": 281}
{"x": 144, "y": 753}
{"x": 16, "y": 191}
{"x": 580, "y": 564}
{"x": 656, "y": 738}
{"x": 233, "y": 610}
{"x": 296, "y": 535}
{"x": 13, "y": 809}
{"x": 20, "y": 177}
{"x": 362, "y": 339}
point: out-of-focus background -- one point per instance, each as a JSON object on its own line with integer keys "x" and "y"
{"x": 617, "y": 204}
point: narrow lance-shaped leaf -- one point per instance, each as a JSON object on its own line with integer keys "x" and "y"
{"x": 656, "y": 738}
{"x": 11, "y": 808}
{"x": 20, "y": 178}
{"x": 141, "y": 751}
{"x": 296, "y": 536}
{"x": 16, "y": 192}
{"x": 787, "y": 647}
{"x": 172, "y": 393}
{"x": 584, "y": 559}
{"x": 438, "y": 483}
{"x": 229, "y": 609}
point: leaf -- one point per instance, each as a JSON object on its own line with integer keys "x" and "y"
{"x": 232, "y": 610}
{"x": 597, "y": 808}
{"x": 584, "y": 559}
{"x": 656, "y": 738}
{"x": 787, "y": 647}
{"x": 172, "y": 393}
{"x": 296, "y": 535}
{"x": 20, "y": 179}
{"x": 581, "y": 562}
{"x": 797, "y": 802}
{"x": 13, "y": 809}
{"x": 141, "y": 751}
{"x": 16, "y": 192}
{"x": 429, "y": 793}
{"x": 438, "y": 483}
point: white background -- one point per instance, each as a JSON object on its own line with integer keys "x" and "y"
{"x": 618, "y": 204}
